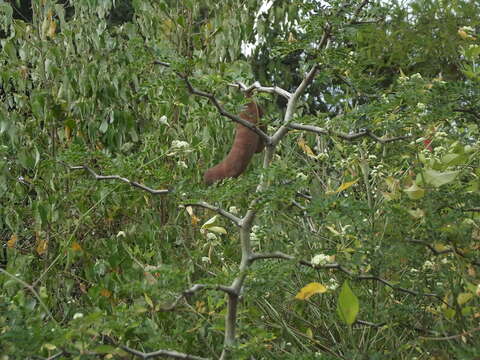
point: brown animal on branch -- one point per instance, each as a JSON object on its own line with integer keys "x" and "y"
{"x": 245, "y": 144}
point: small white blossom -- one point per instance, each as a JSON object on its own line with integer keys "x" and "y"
{"x": 421, "y": 106}
{"x": 233, "y": 210}
{"x": 206, "y": 259}
{"x": 478, "y": 290}
{"x": 320, "y": 259}
{"x": 163, "y": 120}
{"x": 332, "y": 284}
{"x": 302, "y": 176}
{"x": 121, "y": 234}
{"x": 182, "y": 164}
{"x": 428, "y": 265}
{"x": 416, "y": 76}
{"x": 467, "y": 29}
{"x": 211, "y": 236}
{"x": 178, "y": 144}
{"x": 77, "y": 316}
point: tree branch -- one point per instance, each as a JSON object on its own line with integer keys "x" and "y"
{"x": 256, "y": 86}
{"x": 236, "y": 220}
{"x": 32, "y": 290}
{"x": 160, "y": 353}
{"x": 219, "y": 107}
{"x": 472, "y": 112}
{"x": 117, "y": 177}
{"x": 345, "y": 136}
{"x": 454, "y": 250}
{"x": 196, "y": 288}
{"x": 224, "y": 112}
{"x": 335, "y": 266}
{"x": 452, "y": 337}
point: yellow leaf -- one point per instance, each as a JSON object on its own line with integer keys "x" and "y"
{"x": 309, "y": 333}
{"x": 346, "y": 185}
{"x": 439, "y": 247}
{"x": 309, "y": 290}
{"x": 195, "y": 220}
{"x": 462, "y": 34}
{"x": 68, "y": 132}
{"x": 52, "y": 29}
{"x": 13, "y": 240}
{"x": 105, "y": 293}
{"x": 76, "y": 246}
{"x": 42, "y": 244}
{"x": 306, "y": 149}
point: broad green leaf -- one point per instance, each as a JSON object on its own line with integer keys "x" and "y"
{"x": 209, "y": 222}
{"x": 454, "y": 159}
{"x": 437, "y": 178}
{"x": 417, "y": 213}
{"x": 309, "y": 290}
{"x": 217, "y": 229}
{"x": 463, "y": 298}
{"x": 347, "y": 305}
{"x": 414, "y": 192}
{"x": 148, "y": 300}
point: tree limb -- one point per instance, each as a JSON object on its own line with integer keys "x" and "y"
{"x": 219, "y": 107}
{"x": 451, "y": 337}
{"x": 160, "y": 353}
{"x": 266, "y": 89}
{"x": 335, "y": 266}
{"x": 117, "y": 177}
{"x": 236, "y": 220}
{"x": 196, "y": 288}
{"x": 345, "y": 136}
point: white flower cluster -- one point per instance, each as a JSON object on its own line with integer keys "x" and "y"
{"x": 321, "y": 259}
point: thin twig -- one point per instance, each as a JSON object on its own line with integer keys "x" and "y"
{"x": 32, "y": 290}
{"x": 452, "y": 337}
{"x": 368, "y": 323}
{"x": 469, "y": 111}
{"x": 236, "y": 220}
{"x": 196, "y": 288}
{"x": 160, "y": 353}
{"x": 117, "y": 177}
{"x": 454, "y": 249}
{"x": 345, "y": 136}
{"x": 224, "y": 112}
{"x": 219, "y": 107}
{"x": 431, "y": 248}
{"x": 335, "y": 266}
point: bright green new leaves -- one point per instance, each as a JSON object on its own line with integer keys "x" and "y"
{"x": 414, "y": 192}
{"x": 347, "y": 305}
{"x": 437, "y": 178}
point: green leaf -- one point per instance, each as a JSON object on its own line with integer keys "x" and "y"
{"x": 437, "y": 178}
{"x": 347, "y": 305}
{"x": 454, "y": 159}
{"x": 414, "y": 192}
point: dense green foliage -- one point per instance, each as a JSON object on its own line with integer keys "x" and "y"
{"x": 87, "y": 261}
